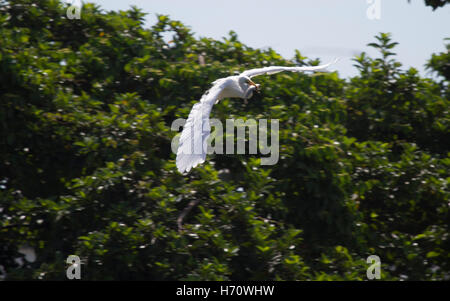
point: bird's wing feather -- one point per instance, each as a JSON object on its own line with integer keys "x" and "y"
{"x": 192, "y": 147}
{"x": 275, "y": 69}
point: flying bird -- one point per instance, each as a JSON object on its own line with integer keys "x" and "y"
{"x": 192, "y": 145}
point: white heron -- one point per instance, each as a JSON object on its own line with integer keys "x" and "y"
{"x": 192, "y": 145}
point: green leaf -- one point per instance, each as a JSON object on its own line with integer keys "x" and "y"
{"x": 432, "y": 254}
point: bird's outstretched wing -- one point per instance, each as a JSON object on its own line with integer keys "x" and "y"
{"x": 275, "y": 69}
{"x": 192, "y": 147}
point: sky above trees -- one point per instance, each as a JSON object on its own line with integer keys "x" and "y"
{"x": 323, "y": 29}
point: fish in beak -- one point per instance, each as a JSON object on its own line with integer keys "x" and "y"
{"x": 255, "y": 85}
{"x": 249, "y": 93}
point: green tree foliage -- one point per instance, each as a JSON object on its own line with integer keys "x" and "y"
{"x": 439, "y": 63}
{"x": 86, "y": 165}
{"x": 435, "y": 3}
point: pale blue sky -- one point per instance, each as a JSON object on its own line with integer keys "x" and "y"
{"x": 318, "y": 28}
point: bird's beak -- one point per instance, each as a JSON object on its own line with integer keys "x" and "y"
{"x": 256, "y": 86}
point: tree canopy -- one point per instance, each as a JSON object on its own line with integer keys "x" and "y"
{"x": 436, "y": 3}
{"x": 86, "y": 167}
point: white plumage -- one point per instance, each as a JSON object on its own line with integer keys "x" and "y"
{"x": 193, "y": 140}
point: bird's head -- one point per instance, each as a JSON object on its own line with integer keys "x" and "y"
{"x": 248, "y": 86}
